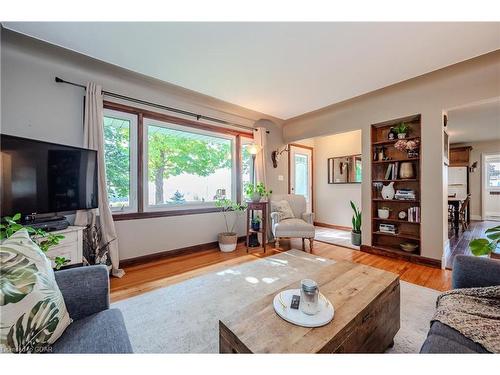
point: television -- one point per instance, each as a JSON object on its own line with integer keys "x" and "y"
{"x": 41, "y": 178}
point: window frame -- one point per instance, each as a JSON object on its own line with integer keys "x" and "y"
{"x": 133, "y": 194}
{"x": 191, "y": 125}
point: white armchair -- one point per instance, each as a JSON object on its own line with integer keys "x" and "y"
{"x": 299, "y": 226}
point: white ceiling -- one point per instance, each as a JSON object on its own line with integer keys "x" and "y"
{"x": 475, "y": 123}
{"x": 281, "y": 69}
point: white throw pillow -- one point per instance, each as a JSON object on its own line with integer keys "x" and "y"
{"x": 32, "y": 310}
{"x": 283, "y": 207}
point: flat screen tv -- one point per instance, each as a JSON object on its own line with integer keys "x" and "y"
{"x": 41, "y": 177}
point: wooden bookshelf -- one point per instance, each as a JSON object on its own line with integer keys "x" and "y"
{"x": 382, "y": 242}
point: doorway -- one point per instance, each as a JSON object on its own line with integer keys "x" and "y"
{"x": 491, "y": 186}
{"x": 300, "y": 164}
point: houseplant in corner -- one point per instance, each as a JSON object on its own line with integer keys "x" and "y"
{"x": 231, "y": 211}
{"x": 487, "y": 246}
{"x": 356, "y": 225}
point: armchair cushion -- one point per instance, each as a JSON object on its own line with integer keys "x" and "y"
{"x": 283, "y": 207}
{"x": 293, "y": 228}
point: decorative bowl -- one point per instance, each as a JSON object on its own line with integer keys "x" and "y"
{"x": 409, "y": 247}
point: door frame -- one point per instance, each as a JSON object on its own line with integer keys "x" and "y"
{"x": 290, "y": 145}
{"x": 483, "y": 185}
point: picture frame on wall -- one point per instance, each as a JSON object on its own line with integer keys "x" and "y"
{"x": 345, "y": 169}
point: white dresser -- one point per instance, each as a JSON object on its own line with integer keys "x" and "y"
{"x": 71, "y": 247}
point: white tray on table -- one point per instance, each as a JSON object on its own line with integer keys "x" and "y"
{"x": 282, "y": 303}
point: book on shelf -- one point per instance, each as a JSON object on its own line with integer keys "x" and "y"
{"x": 414, "y": 214}
{"x": 388, "y": 172}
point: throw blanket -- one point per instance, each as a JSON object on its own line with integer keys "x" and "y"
{"x": 474, "y": 312}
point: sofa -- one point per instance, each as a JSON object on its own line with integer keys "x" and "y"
{"x": 96, "y": 328}
{"x": 468, "y": 272}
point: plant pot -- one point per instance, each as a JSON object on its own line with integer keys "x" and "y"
{"x": 227, "y": 242}
{"x": 383, "y": 213}
{"x": 256, "y": 226}
{"x": 256, "y": 197}
{"x": 401, "y": 135}
{"x": 356, "y": 238}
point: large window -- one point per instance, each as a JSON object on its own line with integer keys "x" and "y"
{"x": 185, "y": 166}
{"x": 160, "y": 165}
{"x": 120, "y": 155}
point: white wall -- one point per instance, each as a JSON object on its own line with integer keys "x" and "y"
{"x": 471, "y": 81}
{"x": 34, "y": 106}
{"x": 331, "y": 201}
{"x": 475, "y": 178}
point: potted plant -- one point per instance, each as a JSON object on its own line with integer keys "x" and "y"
{"x": 256, "y": 223}
{"x": 256, "y": 192}
{"x": 231, "y": 211}
{"x": 487, "y": 246}
{"x": 356, "y": 225}
{"x": 383, "y": 212}
{"x": 44, "y": 240}
{"x": 402, "y": 130}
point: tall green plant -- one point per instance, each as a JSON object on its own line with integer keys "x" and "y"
{"x": 485, "y": 246}
{"x": 44, "y": 240}
{"x": 231, "y": 210}
{"x": 356, "y": 218}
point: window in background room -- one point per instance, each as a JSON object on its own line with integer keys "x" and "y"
{"x": 120, "y": 155}
{"x": 186, "y": 167}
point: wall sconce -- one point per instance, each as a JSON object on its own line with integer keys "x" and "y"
{"x": 275, "y": 155}
{"x": 473, "y": 167}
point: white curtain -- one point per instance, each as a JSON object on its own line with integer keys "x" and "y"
{"x": 93, "y": 138}
{"x": 260, "y": 137}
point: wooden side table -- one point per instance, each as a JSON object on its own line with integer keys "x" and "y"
{"x": 252, "y": 207}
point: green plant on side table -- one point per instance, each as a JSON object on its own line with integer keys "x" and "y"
{"x": 256, "y": 192}
{"x": 487, "y": 246}
{"x": 231, "y": 211}
{"x": 356, "y": 225}
{"x": 44, "y": 240}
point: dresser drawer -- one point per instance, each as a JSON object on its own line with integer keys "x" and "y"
{"x": 66, "y": 251}
{"x": 69, "y": 237}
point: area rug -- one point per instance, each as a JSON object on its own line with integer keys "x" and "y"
{"x": 334, "y": 237}
{"x": 183, "y": 318}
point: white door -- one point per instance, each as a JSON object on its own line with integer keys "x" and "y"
{"x": 301, "y": 173}
{"x": 491, "y": 186}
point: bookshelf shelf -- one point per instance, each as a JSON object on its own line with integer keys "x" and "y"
{"x": 389, "y": 171}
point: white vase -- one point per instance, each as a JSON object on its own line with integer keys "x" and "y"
{"x": 383, "y": 213}
{"x": 388, "y": 191}
{"x": 401, "y": 135}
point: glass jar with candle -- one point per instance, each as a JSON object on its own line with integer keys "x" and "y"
{"x": 309, "y": 296}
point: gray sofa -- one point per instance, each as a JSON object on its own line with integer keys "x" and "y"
{"x": 468, "y": 272}
{"x": 96, "y": 328}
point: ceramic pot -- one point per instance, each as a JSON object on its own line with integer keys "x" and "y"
{"x": 227, "y": 242}
{"x": 388, "y": 191}
{"x": 406, "y": 170}
{"x": 356, "y": 238}
{"x": 256, "y": 226}
{"x": 256, "y": 197}
{"x": 383, "y": 213}
{"x": 401, "y": 135}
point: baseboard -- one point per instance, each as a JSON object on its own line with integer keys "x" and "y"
{"x": 417, "y": 259}
{"x": 331, "y": 226}
{"x": 171, "y": 253}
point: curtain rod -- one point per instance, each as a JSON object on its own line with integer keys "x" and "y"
{"x": 161, "y": 106}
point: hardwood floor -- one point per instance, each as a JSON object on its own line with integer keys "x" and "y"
{"x": 156, "y": 274}
{"x": 459, "y": 244}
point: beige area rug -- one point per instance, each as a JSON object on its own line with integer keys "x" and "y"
{"x": 334, "y": 237}
{"x": 183, "y": 318}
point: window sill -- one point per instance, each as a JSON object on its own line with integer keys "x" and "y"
{"x": 155, "y": 214}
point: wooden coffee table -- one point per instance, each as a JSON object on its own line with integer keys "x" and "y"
{"x": 366, "y": 302}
